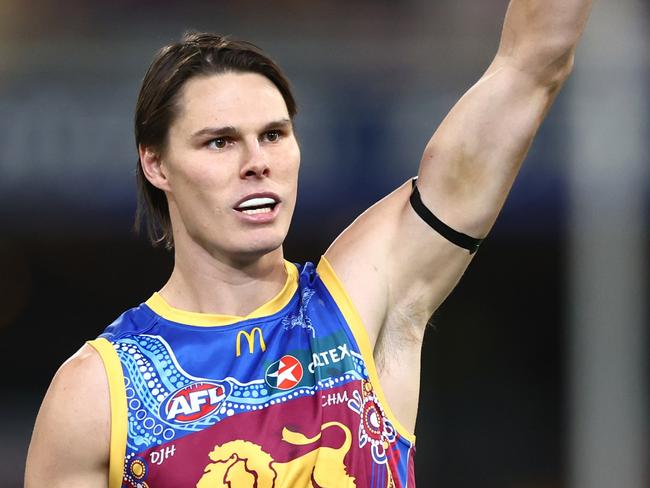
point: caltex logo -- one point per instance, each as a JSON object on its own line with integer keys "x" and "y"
{"x": 194, "y": 401}
{"x": 285, "y": 373}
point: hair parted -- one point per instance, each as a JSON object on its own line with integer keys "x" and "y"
{"x": 197, "y": 54}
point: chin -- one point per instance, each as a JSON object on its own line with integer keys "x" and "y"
{"x": 259, "y": 247}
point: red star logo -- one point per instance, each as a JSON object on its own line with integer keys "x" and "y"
{"x": 288, "y": 373}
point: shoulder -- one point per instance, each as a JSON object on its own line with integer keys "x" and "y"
{"x": 79, "y": 391}
{"x": 362, "y": 256}
{"x": 72, "y": 432}
{"x": 81, "y": 379}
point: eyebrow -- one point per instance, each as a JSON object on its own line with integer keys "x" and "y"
{"x": 231, "y": 131}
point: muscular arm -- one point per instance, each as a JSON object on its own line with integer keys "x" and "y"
{"x": 70, "y": 443}
{"x": 396, "y": 268}
{"x": 471, "y": 161}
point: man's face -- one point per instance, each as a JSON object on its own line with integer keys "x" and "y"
{"x": 231, "y": 164}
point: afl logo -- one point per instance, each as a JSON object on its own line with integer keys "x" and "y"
{"x": 285, "y": 373}
{"x": 194, "y": 401}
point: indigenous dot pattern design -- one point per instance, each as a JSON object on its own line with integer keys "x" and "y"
{"x": 187, "y": 386}
{"x": 135, "y": 472}
{"x": 374, "y": 426}
{"x": 151, "y": 374}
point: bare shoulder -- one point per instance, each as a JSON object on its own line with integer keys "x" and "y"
{"x": 358, "y": 257}
{"x": 70, "y": 442}
{"x": 391, "y": 262}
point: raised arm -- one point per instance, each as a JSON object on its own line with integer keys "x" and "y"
{"x": 472, "y": 159}
{"x": 396, "y": 268}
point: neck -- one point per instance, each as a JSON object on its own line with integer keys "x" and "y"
{"x": 201, "y": 282}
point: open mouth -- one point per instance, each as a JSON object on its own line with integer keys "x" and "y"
{"x": 258, "y": 205}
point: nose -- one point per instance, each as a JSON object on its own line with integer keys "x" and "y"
{"x": 255, "y": 163}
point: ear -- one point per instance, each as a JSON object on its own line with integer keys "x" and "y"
{"x": 153, "y": 168}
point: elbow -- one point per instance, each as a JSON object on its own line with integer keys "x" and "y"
{"x": 553, "y": 57}
{"x": 557, "y": 72}
{"x": 549, "y": 65}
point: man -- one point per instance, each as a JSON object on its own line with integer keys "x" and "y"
{"x": 244, "y": 369}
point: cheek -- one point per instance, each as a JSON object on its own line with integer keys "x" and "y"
{"x": 296, "y": 152}
{"x": 195, "y": 188}
{"x": 292, "y": 158}
{"x": 194, "y": 169}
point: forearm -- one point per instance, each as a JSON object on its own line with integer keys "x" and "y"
{"x": 540, "y": 36}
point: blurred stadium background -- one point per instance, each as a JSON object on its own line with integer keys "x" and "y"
{"x": 535, "y": 370}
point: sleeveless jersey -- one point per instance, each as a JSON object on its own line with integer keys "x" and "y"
{"x": 286, "y": 397}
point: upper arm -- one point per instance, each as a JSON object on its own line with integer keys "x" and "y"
{"x": 389, "y": 259}
{"x": 70, "y": 442}
{"x": 472, "y": 159}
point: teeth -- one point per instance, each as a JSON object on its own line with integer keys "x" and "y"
{"x": 256, "y": 202}
{"x": 257, "y": 211}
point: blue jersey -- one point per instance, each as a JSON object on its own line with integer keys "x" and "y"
{"x": 286, "y": 397}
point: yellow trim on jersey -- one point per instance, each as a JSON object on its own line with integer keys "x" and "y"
{"x": 158, "y": 304}
{"x": 352, "y": 317}
{"x": 119, "y": 419}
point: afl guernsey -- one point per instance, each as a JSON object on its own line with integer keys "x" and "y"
{"x": 286, "y": 397}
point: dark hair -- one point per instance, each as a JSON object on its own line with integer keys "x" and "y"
{"x": 196, "y": 54}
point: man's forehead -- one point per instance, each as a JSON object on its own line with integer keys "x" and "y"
{"x": 232, "y": 99}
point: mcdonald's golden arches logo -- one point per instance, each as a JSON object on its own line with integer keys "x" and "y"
{"x": 250, "y": 338}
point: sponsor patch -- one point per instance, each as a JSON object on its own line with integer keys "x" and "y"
{"x": 329, "y": 357}
{"x": 285, "y": 373}
{"x": 194, "y": 401}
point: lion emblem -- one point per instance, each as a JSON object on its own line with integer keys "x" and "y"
{"x": 242, "y": 464}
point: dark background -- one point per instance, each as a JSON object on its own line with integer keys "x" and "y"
{"x": 373, "y": 79}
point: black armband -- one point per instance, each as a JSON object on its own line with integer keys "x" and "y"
{"x": 458, "y": 238}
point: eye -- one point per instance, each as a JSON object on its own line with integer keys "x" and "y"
{"x": 218, "y": 143}
{"x": 272, "y": 135}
